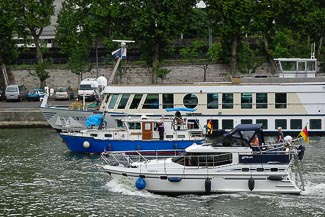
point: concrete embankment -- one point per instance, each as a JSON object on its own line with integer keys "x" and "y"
{"x": 22, "y": 118}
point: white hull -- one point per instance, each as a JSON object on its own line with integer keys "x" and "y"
{"x": 61, "y": 118}
{"x": 287, "y": 105}
{"x": 193, "y": 181}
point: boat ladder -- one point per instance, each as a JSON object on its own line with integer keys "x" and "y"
{"x": 296, "y": 169}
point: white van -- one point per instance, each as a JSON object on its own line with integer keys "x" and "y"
{"x": 16, "y": 93}
{"x": 88, "y": 88}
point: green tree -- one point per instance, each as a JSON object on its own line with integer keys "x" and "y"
{"x": 32, "y": 16}
{"x": 231, "y": 18}
{"x": 8, "y": 51}
{"x": 197, "y": 24}
{"x": 73, "y": 35}
{"x": 154, "y": 24}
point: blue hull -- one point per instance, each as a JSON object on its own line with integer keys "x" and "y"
{"x": 77, "y": 144}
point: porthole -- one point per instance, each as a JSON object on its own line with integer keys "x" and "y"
{"x": 190, "y": 100}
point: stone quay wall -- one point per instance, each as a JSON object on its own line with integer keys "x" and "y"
{"x": 130, "y": 74}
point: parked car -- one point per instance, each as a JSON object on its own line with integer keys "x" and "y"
{"x": 62, "y": 93}
{"x": 35, "y": 94}
{"x": 2, "y": 93}
{"x": 16, "y": 93}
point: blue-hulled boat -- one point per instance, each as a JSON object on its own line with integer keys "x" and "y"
{"x": 136, "y": 134}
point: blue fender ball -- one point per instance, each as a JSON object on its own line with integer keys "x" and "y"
{"x": 140, "y": 183}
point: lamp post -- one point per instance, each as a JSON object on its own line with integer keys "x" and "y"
{"x": 202, "y": 5}
{"x": 96, "y": 58}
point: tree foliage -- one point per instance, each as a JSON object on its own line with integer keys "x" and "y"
{"x": 8, "y": 51}
{"x": 154, "y": 24}
{"x": 32, "y": 16}
{"x": 280, "y": 28}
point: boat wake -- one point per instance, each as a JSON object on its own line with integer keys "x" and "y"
{"x": 126, "y": 189}
{"x": 314, "y": 189}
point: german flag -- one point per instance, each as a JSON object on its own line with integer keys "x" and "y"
{"x": 210, "y": 126}
{"x": 304, "y": 134}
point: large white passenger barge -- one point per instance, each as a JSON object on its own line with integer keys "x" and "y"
{"x": 292, "y": 100}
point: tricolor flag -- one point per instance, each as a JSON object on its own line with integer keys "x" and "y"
{"x": 119, "y": 53}
{"x": 210, "y": 126}
{"x": 304, "y": 134}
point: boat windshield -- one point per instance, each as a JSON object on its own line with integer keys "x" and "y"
{"x": 204, "y": 159}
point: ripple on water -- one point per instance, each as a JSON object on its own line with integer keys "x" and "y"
{"x": 40, "y": 177}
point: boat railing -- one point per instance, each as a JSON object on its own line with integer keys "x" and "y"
{"x": 126, "y": 158}
{"x": 117, "y": 159}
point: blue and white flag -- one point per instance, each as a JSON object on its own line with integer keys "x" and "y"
{"x": 119, "y": 53}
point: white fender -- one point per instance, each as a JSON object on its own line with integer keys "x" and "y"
{"x": 86, "y": 144}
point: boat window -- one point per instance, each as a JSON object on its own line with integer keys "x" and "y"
{"x": 136, "y": 101}
{"x": 246, "y": 121}
{"x": 193, "y": 124}
{"x": 123, "y": 101}
{"x": 263, "y": 122}
{"x": 119, "y": 123}
{"x": 204, "y": 160}
{"x": 295, "y": 124}
{"x": 134, "y": 125}
{"x": 113, "y": 101}
{"x": 151, "y": 102}
{"x": 168, "y": 101}
{"x": 280, "y": 100}
{"x": 181, "y": 136}
{"x": 260, "y": 169}
{"x": 246, "y": 100}
{"x": 93, "y": 134}
{"x": 247, "y": 135}
{"x": 281, "y": 123}
{"x": 190, "y": 100}
{"x": 245, "y": 169}
{"x": 288, "y": 65}
{"x": 302, "y": 66}
{"x": 108, "y": 135}
{"x": 212, "y": 100}
{"x": 311, "y": 66}
{"x": 227, "y": 124}
{"x": 261, "y": 100}
{"x": 169, "y": 136}
{"x": 315, "y": 124}
{"x": 227, "y": 100}
{"x": 274, "y": 169}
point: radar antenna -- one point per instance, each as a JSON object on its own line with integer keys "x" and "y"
{"x": 119, "y": 55}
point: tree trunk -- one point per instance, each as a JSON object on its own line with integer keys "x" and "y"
{"x": 268, "y": 53}
{"x": 233, "y": 59}
{"x": 39, "y": 53}
{"x": 205, "y": 69}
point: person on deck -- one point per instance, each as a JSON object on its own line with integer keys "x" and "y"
{"x": 280, "y": 135}
{"x": 178, "y": 119}
{"x": 161, "y": 130}
{"x": 255, "y": 141}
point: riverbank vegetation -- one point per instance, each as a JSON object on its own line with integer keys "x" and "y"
{"x": 243, "y": 34}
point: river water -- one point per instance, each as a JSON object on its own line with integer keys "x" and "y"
{"x": 40, "y": 177}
